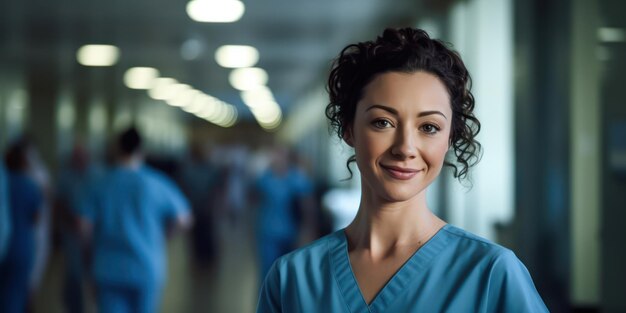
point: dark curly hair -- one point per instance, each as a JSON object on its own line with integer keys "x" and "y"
{"x": 406, "y": 50}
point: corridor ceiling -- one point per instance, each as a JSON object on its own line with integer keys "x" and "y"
{"x": 296, "y": 39}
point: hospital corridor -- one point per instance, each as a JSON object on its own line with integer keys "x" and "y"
{"x": 170, "y": 156}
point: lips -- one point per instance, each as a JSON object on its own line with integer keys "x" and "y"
{"x": 401, "y": 173}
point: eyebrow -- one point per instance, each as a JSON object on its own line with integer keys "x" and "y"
{"x": 395, "y": 112}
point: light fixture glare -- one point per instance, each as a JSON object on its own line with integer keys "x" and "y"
{"x": 98, "y": 55}
{"x": 140, "y": 77}
{"x": 248, "y": 78}
{"x": 215, "y": 11}
{"x": 232, "y": 56}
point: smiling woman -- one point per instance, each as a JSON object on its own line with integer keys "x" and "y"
{"x": 401, "y": 101}
{"x": 400, "y": 134}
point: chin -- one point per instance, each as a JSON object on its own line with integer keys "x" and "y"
{"x": 400, "y": 193}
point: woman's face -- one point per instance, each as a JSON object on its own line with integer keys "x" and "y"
{"x": 400, "y": 134}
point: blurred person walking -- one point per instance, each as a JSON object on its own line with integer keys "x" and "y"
{"x": 38, "y": 171}
{"x": 124, "y": 222}
{"x": 5, "y": 214}
{"x": 25, "y": 200}
{"x": 282, "y": 190}
{"x": 75, "y": 180}
{"x": 199, "y": 179}
{"x": 236, "y": 182}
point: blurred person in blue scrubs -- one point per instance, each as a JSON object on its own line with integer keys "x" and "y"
{"x": 402, "y": 101}
{"x": 39, "y": 172}
{"x": 5, "y": 214}
{"x": 199, "y": 181}
{"x": 236, "y": 184}
{"x": 25, "y": 199}
{"x": 281, "y": 190}
{"x": 75, "y": 181}
{"x": 125, "y": 220}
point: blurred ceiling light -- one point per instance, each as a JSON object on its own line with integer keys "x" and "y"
{"x": 215, "y": 11}
{"x": 227, "y": 113}
{"x": 266, "y": 113}
{"x": 98, "y": 55}
{"x": 198, "y": 103}
{"x": 220, "y": 111}
{"x": 140, "y": 77}
{"x": 263, "y": 106}
{"x": 611, "y": 34}
{"x": 248, "y": 78}
{"x": 232, "y": 117}
{"x": 257, "y": 95}
{"x": 231, "y": 122}
{"x": 271, "y": 125}
{"x": 231, "y": 56}
{"x": 208, "y": 107}
{"x": 227, "y": 119}
{"x": 161, "y": 88}
{"x": 182, "y": 95}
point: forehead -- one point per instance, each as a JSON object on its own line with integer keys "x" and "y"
{"x": 410, "y": 91}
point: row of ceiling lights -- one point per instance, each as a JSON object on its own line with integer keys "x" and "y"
{"x": 249, "y": 80}
{"x": 167, "y": 89}
{"x": 181, "y": 95}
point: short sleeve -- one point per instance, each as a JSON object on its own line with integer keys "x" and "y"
{"x": 175, "y": 203}
{"x": 269, "y": 296}
{"x": 511, "y": 288}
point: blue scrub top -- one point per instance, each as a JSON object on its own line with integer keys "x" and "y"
{"x": 455, "y": 271}
{"x": 5, "y": 214}
{"x": 24, "y": 202}
{"x": 279, "y": 194}
{"x": 129, "y": 209}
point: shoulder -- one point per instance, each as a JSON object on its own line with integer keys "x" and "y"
{"x": 148, "y": 171}
{"x": 472, "y": 251}
{"x": 309, "y": 264}
{"x": 312, "y": 254}
{"x": 509, "y": 285}
{"x": 299, "y": 263}
{"x": 478, "y": 246}
{"x": 156, "y": 177}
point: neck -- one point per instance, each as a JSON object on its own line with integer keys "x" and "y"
{"x": 131, "y": 161}
{"x": 381, "y": 228}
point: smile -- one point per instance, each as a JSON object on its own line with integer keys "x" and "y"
{"x": 400, "y": 172}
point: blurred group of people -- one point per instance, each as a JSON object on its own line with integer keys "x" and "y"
{"x": 113, "y": 224}
{"x": 111, "y": 221}
{"x": 271, "y": 189}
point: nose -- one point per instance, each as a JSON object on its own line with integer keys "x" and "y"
{"x": 405, "y": 144}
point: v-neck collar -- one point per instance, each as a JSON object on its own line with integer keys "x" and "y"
{"x": 397, "y": 284}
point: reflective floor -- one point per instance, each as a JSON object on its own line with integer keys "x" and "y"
{"x": 231, "y": 286}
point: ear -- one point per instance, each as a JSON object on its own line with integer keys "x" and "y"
{"x": 348, "y": 137}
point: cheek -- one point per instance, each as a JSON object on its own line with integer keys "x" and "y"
{"x": 436, "y": 153}
{"x": 369, "y": 149}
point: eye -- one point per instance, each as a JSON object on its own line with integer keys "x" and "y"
{"x": 430, "y": 129}
{"x": 382, "y": 123}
